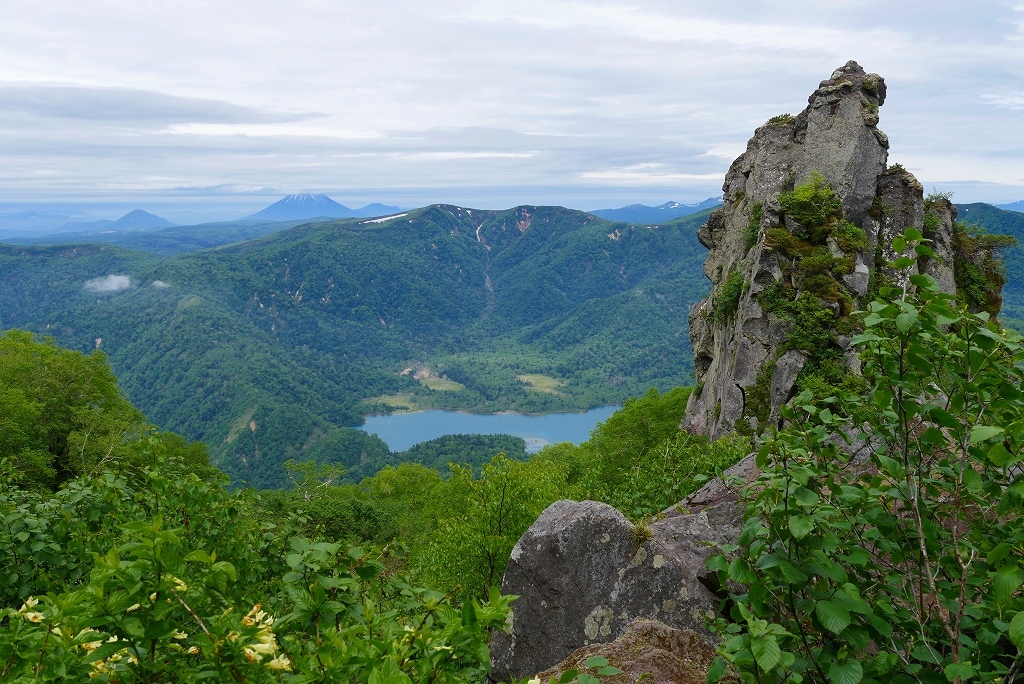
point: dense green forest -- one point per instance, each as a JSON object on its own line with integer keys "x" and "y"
{"x": 125, "y": 558}
{"x": 1001, "y": 222}
{"x": 264, "y": 349}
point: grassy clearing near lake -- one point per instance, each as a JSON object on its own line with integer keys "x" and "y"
{"x": 541, "y": 383}
{"x": 442, "y": 384}
{"x": 401, "y": 402}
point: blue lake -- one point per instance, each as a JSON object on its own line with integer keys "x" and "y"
{"x": 401, "y": 430}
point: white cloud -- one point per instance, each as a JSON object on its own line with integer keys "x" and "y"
{"x": 647, "y": 173}
{"x": 160, "y": 285}
{"x": 456, "y": 95}
{"x": 265, "y": 130}
{"x": 1010, "y": 100}
{"x": 110, "y": 283}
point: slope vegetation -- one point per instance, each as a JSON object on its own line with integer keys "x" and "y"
{"x": 267, "y": 348}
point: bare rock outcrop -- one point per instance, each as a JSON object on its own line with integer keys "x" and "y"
{"x": 647, "y": 651}
{"x": 776, "y": 262}
{"x": 584, "y": 573}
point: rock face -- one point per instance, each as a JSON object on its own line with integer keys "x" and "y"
{"x": 803, "y": 239}
{"x": 647, "y": 651}
{"x": 584, "y": 573}
{"x": 747, "y": 362}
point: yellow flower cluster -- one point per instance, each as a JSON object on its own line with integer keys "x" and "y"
{"x": 108, "y": 665}
{"x": 27, "y": 612}
{"x": 266, "y": 642}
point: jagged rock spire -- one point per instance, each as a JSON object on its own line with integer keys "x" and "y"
{"x": 771, "y": 274}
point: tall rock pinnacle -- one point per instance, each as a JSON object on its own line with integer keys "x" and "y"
{"x": 793, "y": 253}
{"x": 803, "y": 239}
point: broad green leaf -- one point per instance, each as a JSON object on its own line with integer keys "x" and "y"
{"x": 805, "y": 496}
{"x": 899, "y": 244}
{"x": 766, "y": 652}
{"x": 905, "y": 321}
{"x": 717, "y": 670}
{"x": 997, "y": 554}
{"x": 1006, "y": 581}
{"x": 902, "y": 263}
{"x": 739, "y": 571}
{"x": 717, "y": 562}
{"x": 1000, "y": 455}
{"x": 1016, "y": 631}
{"x": 801, "y": 525}
{"x": 944, "y": 419}
{"x": 833, "y": 616}
{"x": 597, "y": 661}
{"x": 979, "y": 433}
{"x": 962, "y": 670}
{"x": 845, "y": 672}
{"x": 792, "y": 573}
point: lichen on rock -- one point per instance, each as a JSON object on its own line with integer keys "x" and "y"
{"x": 826, "y": 209}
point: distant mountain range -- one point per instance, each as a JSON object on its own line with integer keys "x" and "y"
{"x": 133, "y": 220}
{"x": 1013, "y": 206}
{"x": 641, "y": 213}
{"x": 307, "y": 206}
{"x": 33, "y": 223}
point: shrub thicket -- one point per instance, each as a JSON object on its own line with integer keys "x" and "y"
{"x": 883, "y": 540}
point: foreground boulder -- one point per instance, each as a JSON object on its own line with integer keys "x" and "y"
{"x": 583, "y": 573}
{"x": 647, "y": 651}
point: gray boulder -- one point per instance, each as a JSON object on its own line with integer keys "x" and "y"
{"x": 584, "y": 573}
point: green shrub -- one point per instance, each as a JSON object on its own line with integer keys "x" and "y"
{"x": 728, "y": 299}
{"x": 977, "y": 267}
{"x": 850, "y": 237}
{"x": 905, "y": 567}
{"x": 813, "y": 204}
{"x": 150, "y": 578}
{"x": 753, "y": 229}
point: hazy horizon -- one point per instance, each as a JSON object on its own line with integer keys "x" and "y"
{"x": 213, "y": 110}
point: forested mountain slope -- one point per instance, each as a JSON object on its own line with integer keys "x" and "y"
{"x": 265, "y": 348}
{"x": 1003, "y": 222}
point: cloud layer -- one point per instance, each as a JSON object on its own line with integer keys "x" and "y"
{"x": 485, "y": 101}
{"x": 107, "y": 284}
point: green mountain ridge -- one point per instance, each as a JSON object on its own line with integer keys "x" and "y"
{"x": 266, "y": 348}
{"x": 273, "y": 348}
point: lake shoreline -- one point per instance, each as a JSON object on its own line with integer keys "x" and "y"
{"x": 401, "y": 431}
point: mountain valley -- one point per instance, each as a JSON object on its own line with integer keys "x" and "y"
{"x": 264, "y": 348}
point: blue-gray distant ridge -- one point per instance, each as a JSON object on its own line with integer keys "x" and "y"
{"x": 641, "y": 213}
{"x": 133, "y": 220}
{"x": 305, "y": 206}
{"x": 1013, "y": 206}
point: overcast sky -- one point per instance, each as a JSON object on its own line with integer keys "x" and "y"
{"x": 221, "y": 106}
